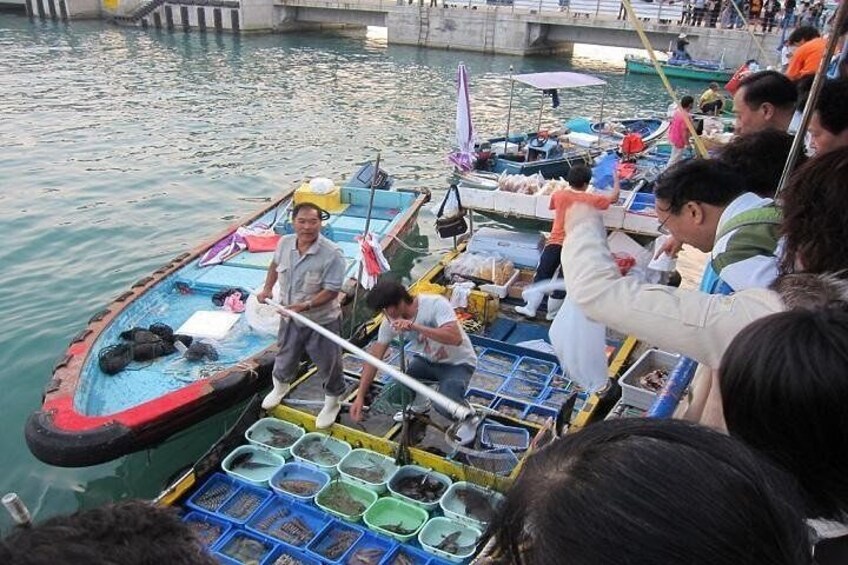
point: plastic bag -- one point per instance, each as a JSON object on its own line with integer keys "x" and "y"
{"x": 450, "y": 205}
{"x": 321, "y": 185}
{"x": 485, "y": 267}
{"x": 580, "y": 345}
{"x": 261, "y": 318}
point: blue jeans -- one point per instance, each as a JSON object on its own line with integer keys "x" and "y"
{"x": 549, "y": 262}
{"x": 452, "y": 379}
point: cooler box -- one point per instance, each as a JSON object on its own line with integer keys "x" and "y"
{"x": 523, "y": 249}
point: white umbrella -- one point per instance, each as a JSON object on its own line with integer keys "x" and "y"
{"x": 463, "y": 158}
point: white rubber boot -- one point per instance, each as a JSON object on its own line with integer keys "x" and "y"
{"x": 276, "y": 395}
{"x": 533, "y": 300}
{"x": 554, "y": 304}
{"x": 327, "y": 415}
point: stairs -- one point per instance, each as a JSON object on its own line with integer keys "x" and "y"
{"x": 423, "y": 24}
{"x": 489, "y": 32}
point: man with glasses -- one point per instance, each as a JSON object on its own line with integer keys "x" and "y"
{"x": 705, "y": 203}
{"x": 310, "y": 271}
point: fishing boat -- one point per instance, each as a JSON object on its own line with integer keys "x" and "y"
{"x": 412, "y": 488}
{"x": 649, "y": 129}
{"x": 547, "y": 153}
{"x": 703, "y": 70}
{"x": 89, "y": 416}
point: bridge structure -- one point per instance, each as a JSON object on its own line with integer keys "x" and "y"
{"x": 516, "y": 27}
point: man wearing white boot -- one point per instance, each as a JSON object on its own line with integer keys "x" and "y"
{"x": 549, "y": 263}
{"x": 310, "y": 270}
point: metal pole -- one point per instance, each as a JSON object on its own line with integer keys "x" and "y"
{"x": 815, "y": 89}
{"x": 509, "y": 111}
{"x": 541, "y": 109}
{"x": 457, "y": 410}
{"x": 601, "y": 120}
{"x": 367, "y": 227}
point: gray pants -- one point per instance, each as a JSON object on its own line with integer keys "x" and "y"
{"x": 294, "y": 339}
{"x": 452, "y": 379}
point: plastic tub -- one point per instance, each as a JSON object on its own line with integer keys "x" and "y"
{"x": 369, "y": 549}
{"x": 406, "y": 555}
{"x": 242, "y": 547}
{"x": 555, "y": 398}
{"x": 320, "y": 450}
{"x": 208, "y": 529}
{"x": 334, "y": 543}
{"x": 389, "y": 514}
{"x": 536, "y": 366}
{"x": 522, "y": 389}
{"x": 336, "y": 488}
{"x": 497, "y": 361}
{"x": 500, "y": 461}
{"x": 486, "y": 380}
{"x": 296, "y": 556}
{"x": 471, "y": 504}
{"x": 275, "y": 435}
{"x": 300, "y": 481}
{"x": 539, "y": 414}
{"x": 633, "y": 393}
{"x": 270, "y": 463}
{"x": 481, "y": 397}
{"x": 499, "y": 436}
{"x": 368, "y": 469}
{"x": 439, "y": 529}
{"x": 531, "y": 376}
{"x": 418, "y": 474}
{"x": 292, "y": 523}
{"x": 243, "y": 504}
{"x": 214, "y": 493}
{"x": 560, "y": 381}
{"x": 509, "y": 407}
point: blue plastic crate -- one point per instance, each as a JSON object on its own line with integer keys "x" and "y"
{"x": 239, "y": 546}
{"x": 555, "y": 398}
{"x": 509, "y": 407}
{"x": 370, "y": 548}
{"x": 521, "y": 389}
{"x": 327, "y": 546}
{"x": 560, "y": 381}
{"x": 497, "y": 361}
{"x": 539, "y": 414}
{"x": 497, "y": 461}
{"x": 283, "y": 549}
{"x": 207, "y": 528}
{"x": 530, "y": 376}
{"x": 413, "y": 556}
{"x": 486, "y": 380}
{"x": 214, "y": 493}
{"x": 287, "y": 521}
{"x": 643, "y": 203}
{"x": 497, "y": 436}
{"x": 241, "y": 506}
{"x": 297, "y": 471}
{"x": 537, "y": 366}
{"x": 481, "y": 397}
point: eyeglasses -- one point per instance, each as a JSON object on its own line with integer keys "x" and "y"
{"x": 662, "y": 229}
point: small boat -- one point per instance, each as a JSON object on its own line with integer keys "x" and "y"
{"x": 526, "y": 399}
{"x": 649, "y": 129}
{"x": 89, "y": 417}
{"x": 708, "y": 71}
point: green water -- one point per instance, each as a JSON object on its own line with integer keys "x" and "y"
{"x": 120, "y": 148}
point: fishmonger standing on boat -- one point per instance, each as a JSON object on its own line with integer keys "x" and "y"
{"x": 442, "y": 351}
{"x": 310, "y": 270}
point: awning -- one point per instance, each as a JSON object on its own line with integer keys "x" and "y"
{"x": 545, "y": 81}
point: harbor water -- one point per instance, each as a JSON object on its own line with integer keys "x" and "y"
{"x": 121, "y": 148}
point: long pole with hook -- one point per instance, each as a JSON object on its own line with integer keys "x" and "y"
{"x": 509, "y": 110}
{"x": 812, "y": 98}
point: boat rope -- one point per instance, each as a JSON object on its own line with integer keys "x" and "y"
{"x": 418, "y": 249}
{"x": 812, "y": 98}
{"x": 637, "y": 25}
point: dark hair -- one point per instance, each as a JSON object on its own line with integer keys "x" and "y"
{"x": 832, "y": 107}
{"x": 687, "y": 101}
{"x": 768, "y": 87}
{"x": 132, "y": 533}
{"x": 702, "y": 180}
{"x": 803, "y": 86}
{"x": 579, "y": 176}
{"x": 784, "y": 386}
{"x": 387, "y": 292}
{"x": 308, "y": 206}
{"x": 759, "y": 158}
{"x": 813, "y": 222}
{"x": 803, "y": 33}
{"x": 642, "y": 491}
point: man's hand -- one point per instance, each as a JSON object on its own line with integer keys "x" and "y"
{"x": 356, "y": 409}
{"x": 401, "y": 325}
{"x": 264, "y": 295}
{"x": 671, "y": 247}
{"x": 298, "y": 307}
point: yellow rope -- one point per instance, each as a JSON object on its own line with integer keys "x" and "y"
{"x": 637, "y": 25}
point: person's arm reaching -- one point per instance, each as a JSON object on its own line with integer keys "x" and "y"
{"x": 270, "y": 280}
{"x": 369, "y": 371}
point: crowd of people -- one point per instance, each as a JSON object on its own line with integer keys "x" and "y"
{"x": 767, "y": 15}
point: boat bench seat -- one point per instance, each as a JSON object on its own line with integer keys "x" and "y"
{"x": 219, "y": 277}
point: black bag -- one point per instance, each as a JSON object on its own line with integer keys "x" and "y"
{"x": 114, "y": 358}
{"x": 455, "y": 225}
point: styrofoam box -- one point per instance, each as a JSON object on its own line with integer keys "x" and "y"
{"x": 634, "y": 395}
{"x": 477, "y": 198}
{"x": 209, "y": 324}
{"x": 639, "y": 223}
{"x": 614, "y": 215}
{"x": 543, "y": 201}
{"x": 500, "y": 290}
{"x": 620, "y": 242}
{"x": 515, "y": 204}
